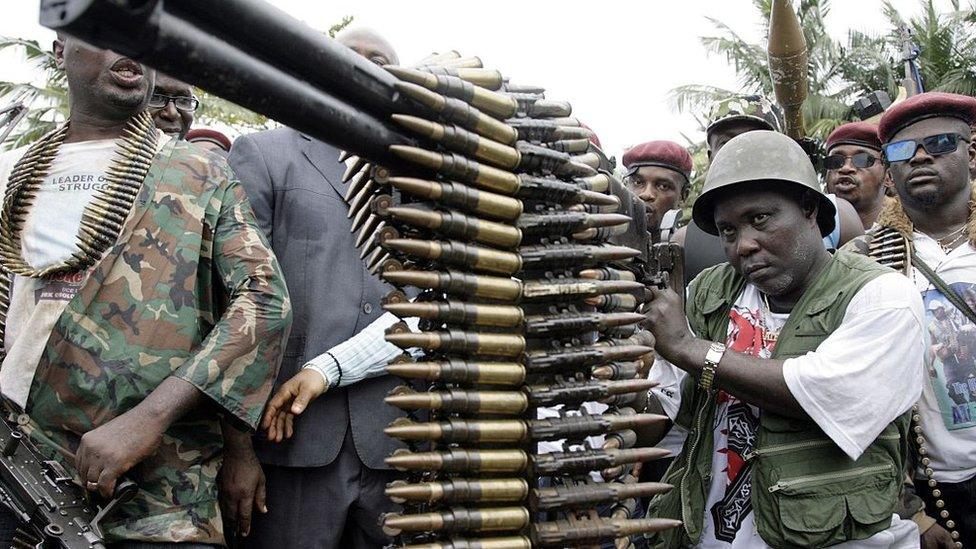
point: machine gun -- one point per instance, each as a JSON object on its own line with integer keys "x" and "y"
{"x": 54, "y": 511}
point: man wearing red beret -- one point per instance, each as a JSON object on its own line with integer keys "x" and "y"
{"x": 854, "y": 168}
{"x": 929, "y": 233}
{"x": 658, "y": 173}
{"x": 209, "y": 139}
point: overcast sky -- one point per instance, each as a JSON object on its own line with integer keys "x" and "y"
{"x": 614, "y": 60}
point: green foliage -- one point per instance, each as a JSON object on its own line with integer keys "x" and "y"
{"x": 334, "y": 29}
{"x": 49, "y": 100}
{"x": 840, "y": 71}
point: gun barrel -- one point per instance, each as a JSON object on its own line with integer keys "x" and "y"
{"x": 148, "y": 32}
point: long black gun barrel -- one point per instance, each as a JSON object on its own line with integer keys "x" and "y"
{"x": 278, "y": 66}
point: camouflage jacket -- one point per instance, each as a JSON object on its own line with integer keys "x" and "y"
{"x": 190, "y": 289}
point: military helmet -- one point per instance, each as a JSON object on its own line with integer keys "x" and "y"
{"x": 745, "y": 107}
{"x": 760, "y": 155}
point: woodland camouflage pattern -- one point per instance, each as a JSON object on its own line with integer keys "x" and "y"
{"x": 746, "y": 107}
{"x": 151, "y": 309}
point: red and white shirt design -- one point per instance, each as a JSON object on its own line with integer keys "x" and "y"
{"x": 752, "y": 331}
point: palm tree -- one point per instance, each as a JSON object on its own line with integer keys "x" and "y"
{"x": 841, "y": 71}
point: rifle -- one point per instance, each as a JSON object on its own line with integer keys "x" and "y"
{"x": 53, "y": 510}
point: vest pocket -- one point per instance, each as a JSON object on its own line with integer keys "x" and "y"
{"x": 828, "y": 508}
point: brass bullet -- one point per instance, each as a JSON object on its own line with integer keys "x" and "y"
{"x": 455, "y": 253}
{"x": 457, "y": 400}
{"x": 457, "y": 225}
{"x": 453, "y": 166}
{"x": 459, "y": 519}
{"x": 452, "y": 312}
{"x": 487, "y": 344}
{"x": 461, "y": 371}
{"x": 460, "y": 113}
{"x": 462, "y": 141}
{"x": 460, "y": 490}
{"x": 459, "y": 196}
{"x": 496, "y": 104}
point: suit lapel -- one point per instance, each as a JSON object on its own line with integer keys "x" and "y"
{"x": 325, "y": 160}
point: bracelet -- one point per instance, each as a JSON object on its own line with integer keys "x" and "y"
{"x": 339, "y": 378}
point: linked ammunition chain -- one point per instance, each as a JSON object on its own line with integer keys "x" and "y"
{"x": 501, "y": 215}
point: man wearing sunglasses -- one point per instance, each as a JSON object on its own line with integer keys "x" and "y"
{"x": 929, "y": 233}
{"x": 172, "y": 105}
{"x": 854, "y": 168}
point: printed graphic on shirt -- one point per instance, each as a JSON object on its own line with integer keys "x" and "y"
{"x": 951, "y": 366}
{"x": 59, "y": 288}
{"x": 736, "y": 424}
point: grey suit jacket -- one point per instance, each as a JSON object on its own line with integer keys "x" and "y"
{"x": 294, "y": 184}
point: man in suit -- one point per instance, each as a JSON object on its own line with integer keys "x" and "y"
{"x": 325, "y": 483}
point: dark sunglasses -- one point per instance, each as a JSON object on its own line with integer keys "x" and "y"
{"x": 935, "y": 145}
{"x": 185, "y": 103}
{"x": 860, "y": 160}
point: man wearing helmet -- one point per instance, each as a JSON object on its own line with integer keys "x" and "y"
{"x": 795, "y": 416}
{"x": 728, "y": 118}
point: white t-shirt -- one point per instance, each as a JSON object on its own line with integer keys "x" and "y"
{"x": 49, "y": 236}
{"x": 668, "y": 393}
{"x": 849, "y": 386}
{"x": 948, "y": 404}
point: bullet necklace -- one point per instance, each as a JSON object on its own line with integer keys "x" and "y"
{"x": 102, "y": 219}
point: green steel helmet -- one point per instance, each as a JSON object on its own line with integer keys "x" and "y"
{"x": 745, "y": 107}
{"x": 760, "y": 155}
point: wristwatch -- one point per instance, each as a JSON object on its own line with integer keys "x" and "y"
{"x": 712, "y": 358}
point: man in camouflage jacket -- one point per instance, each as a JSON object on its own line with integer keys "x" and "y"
{"x": 178, "y": 326}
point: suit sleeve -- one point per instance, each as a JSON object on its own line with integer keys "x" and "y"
{"x": 248, "y": 162}
{"x": 236, "y": 364}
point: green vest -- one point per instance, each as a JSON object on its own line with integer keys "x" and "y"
{"x": 805, "y": 490}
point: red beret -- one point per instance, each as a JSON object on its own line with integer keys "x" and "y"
{"x": 925, "y": 105}
{"x": 666, "y": 154}
{"x": 593, "y": 137}
{"x": 206, "y": 134}
{"x": 864, "y": 134}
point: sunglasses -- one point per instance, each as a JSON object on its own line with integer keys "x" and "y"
{"x": 859, "y": 160}
{"x": 184, "y": 103}
{"x": 935, "y": 145}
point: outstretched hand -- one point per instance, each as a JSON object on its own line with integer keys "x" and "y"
{"x": 291, "y": 400}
